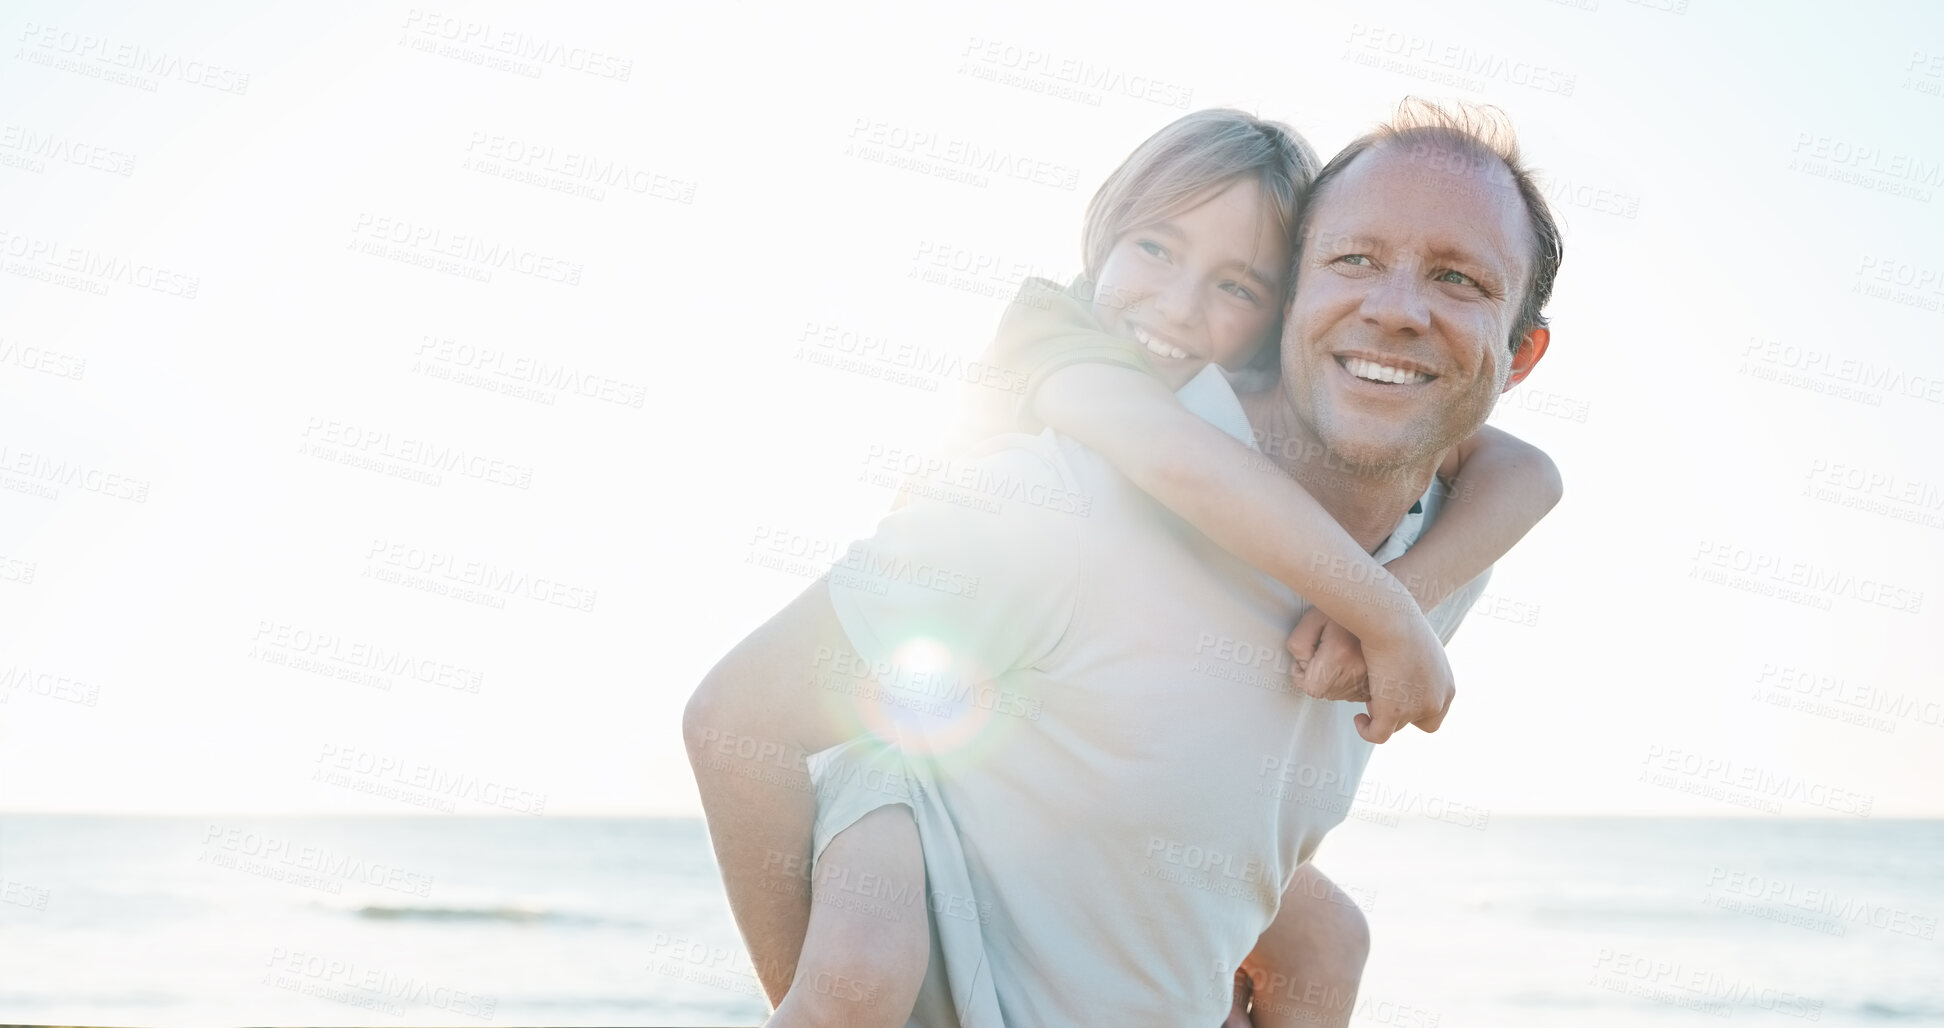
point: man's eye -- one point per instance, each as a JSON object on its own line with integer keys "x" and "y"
{"x": 1456, "y": 278}
{"x": 1359, "y": 259}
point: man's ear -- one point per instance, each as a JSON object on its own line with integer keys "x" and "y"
{"x": 1526, "y": 357}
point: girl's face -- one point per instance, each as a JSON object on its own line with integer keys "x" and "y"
{"x": 1202, "y": 286}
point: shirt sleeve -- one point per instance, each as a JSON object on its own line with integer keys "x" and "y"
{"x": 1048, "y": 327}
{"x": 977, "y": 575}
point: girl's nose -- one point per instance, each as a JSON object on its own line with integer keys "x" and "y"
{"x": 1174, "y": 301}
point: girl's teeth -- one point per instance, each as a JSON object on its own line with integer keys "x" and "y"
{"x": 1159, "y": 348}
{"x": 1375, "y": 372}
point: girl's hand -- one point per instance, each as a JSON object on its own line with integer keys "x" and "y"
{"x": 1327, "y": 661}
{"x": 1413, "y": 679}
{"x": 1409, "y": 683}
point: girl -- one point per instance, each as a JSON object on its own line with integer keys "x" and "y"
{"x": 1188, "y": 249}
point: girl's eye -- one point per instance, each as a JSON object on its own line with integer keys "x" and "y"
{"x": 1151, "y": 248}
{"x": 1456, "y": 278}
{"x": 1240, "y": 290}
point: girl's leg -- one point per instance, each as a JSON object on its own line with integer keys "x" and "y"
{"x": 1305, "y": 969}
{"x": 869, "y": 941}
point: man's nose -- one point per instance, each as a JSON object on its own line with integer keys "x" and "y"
{"x": 1396, "y": 303}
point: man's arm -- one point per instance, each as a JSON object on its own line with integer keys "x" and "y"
{"x": 749, "y": 726}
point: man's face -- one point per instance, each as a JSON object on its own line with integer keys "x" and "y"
{"x": 1396, "y": 342}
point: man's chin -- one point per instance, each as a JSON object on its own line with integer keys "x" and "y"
{"x": 1375, "y": 448}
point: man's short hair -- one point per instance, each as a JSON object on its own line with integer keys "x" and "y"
{"x": 1483, "y": 139}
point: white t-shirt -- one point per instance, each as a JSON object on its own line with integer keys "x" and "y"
{"x": 1112, "y": 776}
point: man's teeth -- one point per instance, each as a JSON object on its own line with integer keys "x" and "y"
{"x": 1375, "y": 372}
{"x": 1159, "y": 348}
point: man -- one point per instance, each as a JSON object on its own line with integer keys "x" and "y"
{"x": 1107, "y": 832}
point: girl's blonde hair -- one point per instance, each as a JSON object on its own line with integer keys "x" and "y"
{"x": 1187, "y": 161}
{"x": 1190, "y": 158}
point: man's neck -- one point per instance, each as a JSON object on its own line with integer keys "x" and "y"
{"x": 1368, "y": 501}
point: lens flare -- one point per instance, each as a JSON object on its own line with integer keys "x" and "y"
{"x": 935, "y": 701}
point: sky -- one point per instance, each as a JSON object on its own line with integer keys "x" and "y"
{"x": 320, "y": 331}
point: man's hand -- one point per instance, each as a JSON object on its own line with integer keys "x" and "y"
{"x": 1403, "y": 681}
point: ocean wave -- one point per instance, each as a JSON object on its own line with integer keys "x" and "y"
{"x": 504, "y": 914}
{"x": 1877, "y": 1010}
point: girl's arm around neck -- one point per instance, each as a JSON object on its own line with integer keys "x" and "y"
{"x": 1500, "y": 487}
{"x": 1231, "y": 493}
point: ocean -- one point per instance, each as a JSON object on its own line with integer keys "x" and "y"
{"x": 1477, "y": 920}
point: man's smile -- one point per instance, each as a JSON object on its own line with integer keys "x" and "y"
{"x": 1387, "y": 371}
